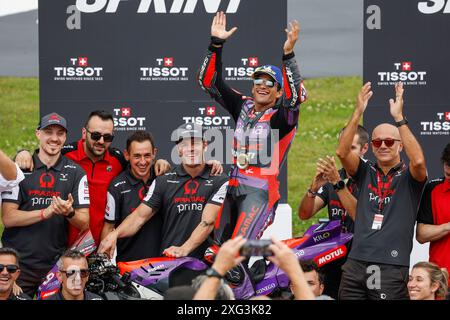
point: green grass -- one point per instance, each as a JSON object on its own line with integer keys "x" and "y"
{"x": 329, "y": 105}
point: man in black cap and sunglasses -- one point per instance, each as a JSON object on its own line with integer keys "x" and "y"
{"x": 9, "y": 272}
{"x": 378, "y": 263}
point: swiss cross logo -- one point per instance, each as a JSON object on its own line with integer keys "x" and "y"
{"x": 253, "y": 61}
{"x": 447, "y": 116}
{"x": 406, "y": 66}
{"x": 82, "y": 61}
{"x": 211, "y": 111}
{"x": 168, "y": 62}
{"x": 126, "y": 112}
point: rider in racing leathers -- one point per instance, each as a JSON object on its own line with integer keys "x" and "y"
{"x": 265, "y": 128}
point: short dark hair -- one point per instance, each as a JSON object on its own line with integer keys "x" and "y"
{"x": 11, "y": 252}
{"x": 363, "y": 135}
{"x": 446, "y": 155}
{"x": 310, "y": 265}
{"x": 72, "y": 254}
{"x": 140, "y": 136}
{"x": 102, "y": 114}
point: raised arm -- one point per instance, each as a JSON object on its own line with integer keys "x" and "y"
{"x": 349, "y": 160}
{"x": 417, "y": 166}
{"x": 210, "y": 74}
{"x": 294, "y": 92}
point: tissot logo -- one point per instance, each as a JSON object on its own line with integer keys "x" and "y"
{"x": 438, "y": 126}
{"x": 404, "y": 71}
{"x": 125, "y": 120}
{"x": 207, "y": 118}
{"x": 164, "y": 69}
{"x": 159, "y": 6}
{"x": 243, "y": 71}
{"x": 78, "y": 69}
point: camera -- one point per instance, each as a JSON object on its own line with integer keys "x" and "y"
{"x": 256, "y": 248}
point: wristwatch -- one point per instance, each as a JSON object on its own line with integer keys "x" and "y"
{"x": 70, "y": 215}
{"x": 401, "y": 122}
{"x": 339, "y": 185}
{"x": 211, "y": 272}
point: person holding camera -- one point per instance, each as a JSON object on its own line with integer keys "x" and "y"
{"x": 229, "y": 256}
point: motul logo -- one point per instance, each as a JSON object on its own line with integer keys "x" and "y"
{"x": 159, "y": 6}
{"x": 330, "y": 256}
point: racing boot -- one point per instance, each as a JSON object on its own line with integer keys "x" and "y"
{"x": 210, "y": 253}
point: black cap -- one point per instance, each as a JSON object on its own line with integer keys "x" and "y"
{"x": 51, "y": 119}
{"x": 188, "y": 130}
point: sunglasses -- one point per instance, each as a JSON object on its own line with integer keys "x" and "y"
{"x": 387, "y": 142}
{"x": 97, "y": 136}
{"x": 268, "y": 83}
{"x": 11, "y": 268}
{"x": 84, "y": 273}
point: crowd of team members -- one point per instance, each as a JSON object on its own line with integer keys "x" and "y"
{"x": 69, "y": 188}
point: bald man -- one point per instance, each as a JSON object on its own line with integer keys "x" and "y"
{"x": 390, "y": 190}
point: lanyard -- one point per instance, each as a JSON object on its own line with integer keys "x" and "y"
{"x": 383, "y": 190}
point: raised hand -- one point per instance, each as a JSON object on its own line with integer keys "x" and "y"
{"x": 363, "y": 98}
{"x": 291, "y": 36}
{"x": 397, "y": 105}
{"x": 219, "y": 27}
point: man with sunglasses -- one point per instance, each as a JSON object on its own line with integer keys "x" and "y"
{"x": 73, "y": 274}
{"x": 265, "y": 127}
{"x": 37, "y": 213}
{"x": 101, "y": 162}
{"x": 389, "y": 195}
{"x": 9, "y": 272}
{"x": 433, "y": 221}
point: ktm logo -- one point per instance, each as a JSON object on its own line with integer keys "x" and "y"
{"x": 191, "y": 187}
{"x": 159, "y": 6}
{"x": 46, "y": 180}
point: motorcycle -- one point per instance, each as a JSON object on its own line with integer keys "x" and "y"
{"x": 324, "y": 243}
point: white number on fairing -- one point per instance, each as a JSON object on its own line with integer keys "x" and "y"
{"x": 48, "y": 278}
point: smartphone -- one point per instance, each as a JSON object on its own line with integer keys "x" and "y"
{"x": 254, "y": 248}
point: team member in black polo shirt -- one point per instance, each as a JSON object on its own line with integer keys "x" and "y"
{"x": 333, "y": 188}
{"x": 37, "y": 213}
{"x": 126, "y": 192}
{"x": 188, "y": 198}
{"x": 433, "y": 221}
{"x": 336, "y": 190}
{"x": 389, "y": 194}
